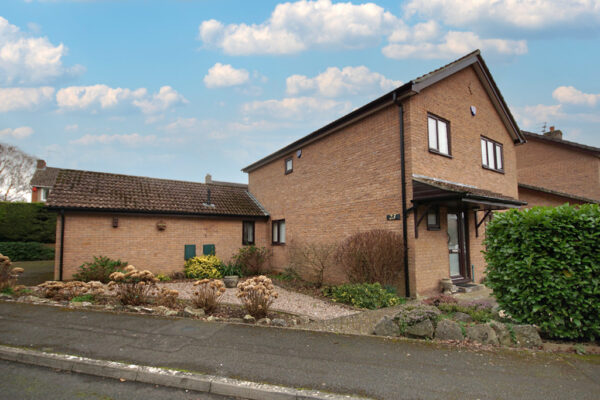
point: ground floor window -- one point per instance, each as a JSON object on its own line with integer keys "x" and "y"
{"x": 279, "y": 231}
{"x": 247, "y": 232}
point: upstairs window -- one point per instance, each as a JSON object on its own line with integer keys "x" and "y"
{"x": 44, "y": 194}
{"x": 279, "y": 231}
{"x": 247, "y": 232}
{"x": 289, "y": 165}
{"x": 492, "y": 156}
{"x": 439, "y": 135}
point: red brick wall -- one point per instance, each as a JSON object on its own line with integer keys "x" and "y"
{"x": 138, "y": 241}
{"x": 559, "y": 167}
{"x": 537, "y": 198}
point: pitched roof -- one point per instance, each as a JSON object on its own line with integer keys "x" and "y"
{"x": 100, "y": 191}
{"x": 44, "y": 177}
{"x": 578, "y": 146}
{"x": 557, "y": 193}
{"x": 410, "y": 88}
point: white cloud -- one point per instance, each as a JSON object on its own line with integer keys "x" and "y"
{"x": 72, "y": 127}
{"x": 296, "y": 107}
{"x": 161, "y": 101}
{"x": 222, "y": 75}
{"x": 452, "y": 45}
{"x": 335, "y": 82}
{"x": 570, "y": 95}
{"x": 181, "y": 124}
{"x": 133, "y": 139}
{"x": 527, "y": 15}
{"x": 17, "y": 133}
{"x": 12, "y": 99}
{"x": 294, "y": 27}
{"x": 25, "y": 59}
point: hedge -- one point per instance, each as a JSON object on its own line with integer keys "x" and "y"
{"x": 26, "y": 222}
{"x": 544, "y": 268}
{"x": 26, "y": 251}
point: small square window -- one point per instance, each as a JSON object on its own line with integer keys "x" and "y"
{"x": 247, "y": 233}
{"x": 433, "y": 219}
{"x": 438, "y": 131}
{"x": 278, "y": 231}
{"x": 289, "y": 165}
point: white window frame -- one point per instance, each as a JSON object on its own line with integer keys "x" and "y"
{"x": 44, "y": 194}
{"x": 434, "y": 139}
{"x": 278, "y": 231}
{"x": 289, "y": 165}
{"x": 492, "y": 155}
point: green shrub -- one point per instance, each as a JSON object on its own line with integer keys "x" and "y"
{"x": 26, "y": 251}
{"x": 363, "y": 295}
{"x": 26, "y": 222}
{"x": 99, "y": 269}
{"x": 544, "y": 268}
{"x": 252, "y": 259}
{"x": 163, "y": 278}
{"x": 230, "y": 269}
{"x": 203, "y": 267}
{"x": 84, "y": 297}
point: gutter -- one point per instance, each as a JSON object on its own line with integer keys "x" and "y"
{"x": 62, "y": 243}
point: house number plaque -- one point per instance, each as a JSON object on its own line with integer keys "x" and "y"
{"x": 393, "y": 217}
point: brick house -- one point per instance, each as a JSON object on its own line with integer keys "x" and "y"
{"x": 151, "y": 223}
{"x": 553, "y": 171}
{"x": 42, "y": 181}
{"x": 430, "y": 160}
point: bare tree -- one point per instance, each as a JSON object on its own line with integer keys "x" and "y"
{"x": 16, "y": 170}
{"x": 312, "y": 259}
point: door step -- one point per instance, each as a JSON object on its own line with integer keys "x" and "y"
{"x": 468, "y": 287}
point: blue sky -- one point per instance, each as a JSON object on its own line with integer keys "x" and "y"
{"x": 178, "y": 89}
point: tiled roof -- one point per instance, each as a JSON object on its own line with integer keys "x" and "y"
{"x": 557, "y": 193}
{"x": 592, "y": 149}
{"x": 102, "y": 191}
{"x": 467, "y": 191}
{"x": 44, "y": 177}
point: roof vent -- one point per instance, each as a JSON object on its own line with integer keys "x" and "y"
{"x": 208, "y": 201}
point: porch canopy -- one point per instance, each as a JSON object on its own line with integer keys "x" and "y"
{"x": 434, "y": 193}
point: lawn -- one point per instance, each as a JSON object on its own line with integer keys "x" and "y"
{"x": 35, "y": 271}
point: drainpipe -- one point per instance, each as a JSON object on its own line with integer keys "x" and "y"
{"x": 62, "y": 243}
{"x": 404, "y": 212}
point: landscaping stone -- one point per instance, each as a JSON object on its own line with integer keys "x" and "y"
{"x": 483, "y": 334}
{"x": 527, "y": 336}
{"x": 31, "y": 299}
{"x": 447, "y": 329}
{"x": 146, "y": 310}
{"x": 193, "y": 312}
{"x": 411, "y": 314}
{"x": 132, "y": 308}
{"x": 386, "y": 327}
{"x": 264, "y": 321}
{"x": 462, "y": 317}
{"x": 423, "y": 329}
{"x": 166, "y": 311}
{"x": 230, "y": 320}
{"x": 5, "y": 296}
{"x": 502, "y": 333}
{"x": 249, "y": 319}
{"x": 278, "y": 322}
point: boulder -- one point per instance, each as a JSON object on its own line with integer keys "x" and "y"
{"x": 502, "y": 333}
{"x": 386, "y": 327}
{"x": 31, "y": 299}
{"x": 448, "y": 330}
{"x": 249, "y": 319}
{"x": 166, "y": 311}
{"x": 264, "y": 321}
{"x": 423, "y": 329}
{"x": 278, "y": 322}
{"x": 527, "y": 336}
{"x": 193, "y": 312}
{"x": 5, "y": 296}
{"x": 146, "y": 310}
{"x": 483, "y": 334}
{"x": 462, "y": 317}
{"x": 412, "y": 314}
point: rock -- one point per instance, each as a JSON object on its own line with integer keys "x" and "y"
{"x": 386, "y": 327}
{"x": 249, "y": 319}
{"x": 502, "y": 333}
{"x": 146, "y": 310}
{"x": 482, "y": 333}
{"x": 448, "y": 330}
{"x": 423, "y": 329}
{"x": 193, "y": 312}
{"x": 166, "y": 311}
{"x": 110, "y": 307}
{"x": 76, "y": 304}
{"x": 5, "y": 296}
{"x": 132, "y": 308}
{"x": 278, "y": 322}
{"x": 527, "y": 336}
{"x": 411, "y": 315}
{"x": 31, "y": 299}
{"x": 264, "y": 321}
{"x": 237, "y": 320}
{"x": 462, "y": 317}
{"x": 302, "y": 320}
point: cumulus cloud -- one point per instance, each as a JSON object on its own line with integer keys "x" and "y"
{"x": 335, "y": 82}
{"x": 454, "y": 44}
{"x": 223, "y": 75}
{"x": 526, "y": 15}
{"x": 132, "y": 140}
{"x": 570, "y": 95}
{"x": 161, "y": 101}
{"x": 296, "y": 107}
{"x": 14, "y": 99}
{"x": 17, "y": 133}
{"x": 25, "y": 59}
{"x": 294, "y": 27}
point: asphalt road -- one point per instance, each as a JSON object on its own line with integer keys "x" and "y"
{"x": 24, "y": 382}
{"x": 371, "y": 366}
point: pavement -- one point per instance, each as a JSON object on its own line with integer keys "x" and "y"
{"x": 357, "y": 365}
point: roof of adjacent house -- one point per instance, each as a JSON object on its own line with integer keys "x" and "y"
{"x": 99, "y": 191}
{"x": 574, "y": 145}
{"x": 409, "y": 89}
{"x": 557, "y": 193}
{"x": 44, "y": 177}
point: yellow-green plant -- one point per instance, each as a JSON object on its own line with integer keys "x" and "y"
{"x": 203, "y": 267}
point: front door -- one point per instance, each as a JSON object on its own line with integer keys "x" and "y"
{"x": 457, "y": 247}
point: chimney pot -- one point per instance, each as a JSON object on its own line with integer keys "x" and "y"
{"x": 551, "y": 129}
{"x": 41, "y": 164}
{"x": 208, "y": 178}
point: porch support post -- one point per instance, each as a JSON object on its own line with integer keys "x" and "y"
{"x": 478, "y": 224}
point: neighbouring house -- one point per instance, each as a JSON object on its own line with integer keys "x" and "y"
{"x": 431, "y": 160}
{"x": 553, "y": 171}
{"x": 152, "y": 223}
{"x": 42, "y": 181}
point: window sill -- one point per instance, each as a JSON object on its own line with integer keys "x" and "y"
{"x": 278, "y": 244}
{"x": 500, "y": 171}
{"x": 433, "y": 151}
{"x": 436, "y": 228}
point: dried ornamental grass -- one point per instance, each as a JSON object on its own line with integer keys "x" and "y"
{"x": 58, "y": 291}
{"x": 132, "y": 287}
{"x": 8, "y": 275}
{"x": 207, "y": 294}
{"x": 167, "y": 297}
{"x": 257, "y": 294}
